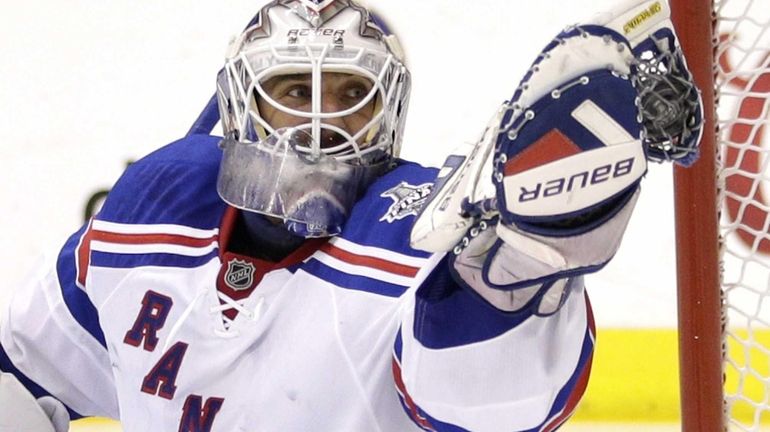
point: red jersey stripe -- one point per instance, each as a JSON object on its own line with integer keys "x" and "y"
{"x": 416, "y": 417}
{"x": 84, "y": 248}
{"x": 84, "y": 256}
{"x": 574, "y": 398}
{"x": 369, "y": 261}
{"x": 582, "y": 382}
{"x": 139, "y": 239}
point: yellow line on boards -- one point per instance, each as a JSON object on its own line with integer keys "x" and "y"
{"x": 635, "y": 377}
{"x": 95, "y": 425}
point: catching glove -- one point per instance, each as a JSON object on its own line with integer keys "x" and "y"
{"x": 546, "y": 192}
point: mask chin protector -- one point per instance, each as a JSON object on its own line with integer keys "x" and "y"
{"x": 309, "y": 191}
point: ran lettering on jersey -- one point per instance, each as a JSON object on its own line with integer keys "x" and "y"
{"x": 197, "y": 416}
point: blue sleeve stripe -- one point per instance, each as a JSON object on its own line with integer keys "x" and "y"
{"x": 415, "y": 413}
{"x": 569, "y": 396}
{"x": 77, "y": 301}
{"x": 38, "y": 391}
{"x": 351, "y": 281}
{"x": 398, "y": 345}
{"x": 434, "y": 425}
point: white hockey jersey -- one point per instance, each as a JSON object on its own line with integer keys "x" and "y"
{"x": 147, "y": 317}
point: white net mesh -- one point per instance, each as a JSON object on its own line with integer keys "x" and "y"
{"x": 743, "y": 83}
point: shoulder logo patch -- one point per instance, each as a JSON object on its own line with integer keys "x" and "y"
{"x": 407, "y": 200}
{"x": 239, "y": 275}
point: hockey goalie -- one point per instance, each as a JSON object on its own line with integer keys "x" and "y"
{"x": 296, "y": 275}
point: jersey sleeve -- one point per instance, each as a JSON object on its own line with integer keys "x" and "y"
{"x": 51, "y": 339}
{"x": 460, "y": 364}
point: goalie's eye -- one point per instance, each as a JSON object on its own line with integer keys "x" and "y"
{"x": 292, "y": 91}
{"x": 355, "y": 93}
{"x": 299, "y": 92}
{"x": 353, "y": 90}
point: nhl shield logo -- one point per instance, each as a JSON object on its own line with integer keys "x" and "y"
{"x": 239, "y": 275}
{"x": 407, "y": 200}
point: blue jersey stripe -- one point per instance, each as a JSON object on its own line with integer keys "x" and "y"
{"x": 566, "y": 391}
{"x": 78, "y": 303}
{"x": 398, "y": 345}
{"x": 350, "y": 281}
{"x": 123, "y": 261}
{"x": 6, "y": 365}
{"x": 437, "y": 425}
{"x": 416, "y": 414}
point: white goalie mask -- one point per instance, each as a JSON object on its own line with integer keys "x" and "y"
{"x": 313, "y": 93}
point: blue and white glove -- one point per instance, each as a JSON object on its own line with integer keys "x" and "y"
{"x": 545, "y": 194}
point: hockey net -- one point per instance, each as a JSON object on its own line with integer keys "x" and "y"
{"x": 724, "y": 273}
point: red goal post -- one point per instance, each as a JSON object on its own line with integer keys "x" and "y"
{"x": 697, "y": 238}
{"x": 723, "y": 220}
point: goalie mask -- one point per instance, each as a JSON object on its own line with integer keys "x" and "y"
{"x": 312, "y": 99}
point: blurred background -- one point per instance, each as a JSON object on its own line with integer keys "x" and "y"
{"x": 89, "y": 85}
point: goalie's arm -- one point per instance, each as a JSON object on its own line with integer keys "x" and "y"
{"x": 477, "y": 356}
{"x": 51, "y": 340}
{"x": 507, "y": 330}
{"x": 462, "y": 364}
